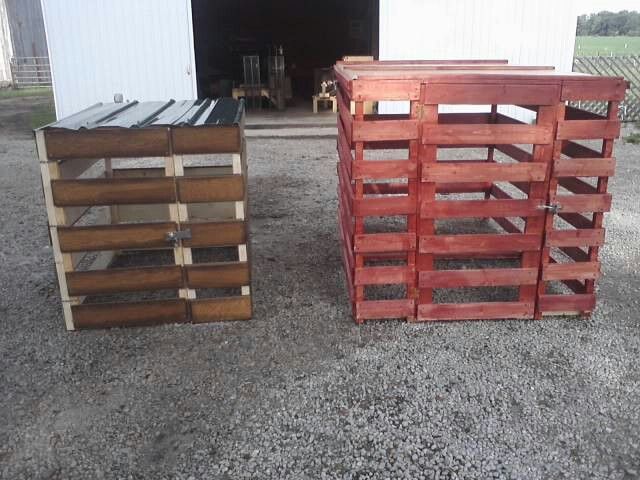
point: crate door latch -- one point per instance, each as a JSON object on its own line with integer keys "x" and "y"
{"x": 553, "y": 208}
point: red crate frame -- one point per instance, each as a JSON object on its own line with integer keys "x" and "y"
{"x": 427, "y": 84}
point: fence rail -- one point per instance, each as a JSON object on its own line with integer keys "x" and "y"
{"x": 30, "y": 72}
{"x": 627, "y": 66}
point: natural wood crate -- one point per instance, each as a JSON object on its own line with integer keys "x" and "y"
{"x": 509, "y": 189}
{"x": 122, "y": 195}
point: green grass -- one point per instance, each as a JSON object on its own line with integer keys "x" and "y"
{"x": 603, "y": 46}
{"x": 25, "y": 92}
{"x": 41, "y": 117}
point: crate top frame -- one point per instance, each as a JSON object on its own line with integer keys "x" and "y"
{"x": 146, "y": 129}
{"x": 402, "y": 79}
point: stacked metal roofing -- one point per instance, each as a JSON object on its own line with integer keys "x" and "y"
{"x": 134, "y": 114}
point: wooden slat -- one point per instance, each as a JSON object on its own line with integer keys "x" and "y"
{"x": 493, "y": 277}
{"x": 377, "y": 90}
{"x": 216, "y": 234}
{"x": 105, "y": 315}
{"x": 115, "y": 237}
{"x": 382, "y": 169}
{"x": 479, "y": 243}
{"x": 567, "y": 303}
{"x": 116, "y": 280}
{"x": 587, "y": 129}
{"x": 107, "y": 142}
{"x": 585, "y": 167}
{"x": 474, "y": 311}
{"x": 372, "y": 131}
{"x": 584, "y": 203}
{"x": 384, "y": 242}
{"x": 218, "y": 275}
{"x": 384, "y": 206}
{"x": 110, "y": 191}
{"x": 383, "y": 275}
{"x": 227, "y": 188}
{"x": 576, "y": 238}
{"x": 571, "y": 271}
{"x": 221, "y": 309}
{"x": 383, "y": 309}
{"x": 206, "y": 139}
{"x": 600, "y": 89}
{"x": 483, "y": 172}
{"x": 485, "y": 134}
{"x": 480, "y": 208}
{"x": 487, "y": 94}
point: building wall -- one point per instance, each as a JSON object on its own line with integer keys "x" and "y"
{"x": 5, "y": 46}
{"x": 142, "y": 49}
{"x": 541, "y": 32}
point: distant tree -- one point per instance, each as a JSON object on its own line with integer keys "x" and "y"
{"x": 609, "y": 24}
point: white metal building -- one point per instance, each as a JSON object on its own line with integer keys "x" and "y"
{"x": 146, "y": 49}
{"x": 5, "y": 46}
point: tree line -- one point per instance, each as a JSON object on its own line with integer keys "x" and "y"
{"x": 609, "y": 24}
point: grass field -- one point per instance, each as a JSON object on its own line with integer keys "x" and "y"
{"x": 593, "y": 46}
{"x": 26, "y": 92}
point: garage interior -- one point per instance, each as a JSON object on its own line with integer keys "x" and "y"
{"x": 310, "y": 37}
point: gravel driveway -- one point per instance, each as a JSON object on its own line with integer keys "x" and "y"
{"x": 300, "y": 392}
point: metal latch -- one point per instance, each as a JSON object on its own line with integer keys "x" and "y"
{"x": 175, "y": 237}
{"x": 553, "y": 208}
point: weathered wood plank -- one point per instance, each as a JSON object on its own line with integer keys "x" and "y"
{"x": 384, "y": 242}
{"x": 567, "y": 303}
{"x": 114, "y": 237}
{"x": 491, "y": 277}
{"x": 116, "y": 280}
{"x": 486, "y": 134}
{"x": 479, "y": 243}
{"x": 383, "y": 275}
{"x": 480, "y": 208}
{"x": 484, "y": 172}
{"x": 584, "y": 203}
{"x": 474, "y": 311}
{"x": 218, "y": 275}
{"x": 106, "y": 315}
{"x": 487, "y": 94}
{"x": 111, "y": 191}
{"x": 571, "y": 271}
{"x": 221, "y": 309}
{"x": 206, "y": 139}
{"x": 384, "y": 309}
{"x": 229, "y": 233}
{"x": 383, "y": 130}
{"x": 585, "y": 167}
{"x": 225, "y": 188}
{"x": 593, "y": 237}
{"x": 588, "y": 129}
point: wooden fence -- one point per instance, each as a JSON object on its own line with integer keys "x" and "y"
{"x": 627, "y": 66}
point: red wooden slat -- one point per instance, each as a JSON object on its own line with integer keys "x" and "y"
{"x": 585, "y": 167}
{"x": 479, "y": 243}
{"x": 474, "y": 311}
{"x": 586, "y": 129}
{"x": 490, "y": 277}
{"x": 584, "y": 203}
{"x": 480, "y": 208}
{"x": 575, "y": 238}
{"x": 381, "y": 169}
{"x": 486, "y": 171}
{"x": 594, "y": 89}
{"x": 372, "y": 131}
{"x": 505, "y": 94}
{"x": 573, "y": 270}
{"x": 382, "y": 309}
{"x": 485, "y": 134}
{"x": 567, "y": 303}
{"x": 385, "y": 206}
{"x": 384, "y": 242}
{"x": 384, "y": 275}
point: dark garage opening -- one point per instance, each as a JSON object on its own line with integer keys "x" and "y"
{"x": 313, "y": 35}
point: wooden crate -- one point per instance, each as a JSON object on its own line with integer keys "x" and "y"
{"x": 504, "y": 178}
{"x": 147, "y": 213}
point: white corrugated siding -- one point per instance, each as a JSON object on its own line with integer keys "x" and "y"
{"x": 525, "y": 32}
{"x": 5, "y": 45}
{"x": 142, "y": 49}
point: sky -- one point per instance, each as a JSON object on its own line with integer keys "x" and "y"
{"x": 593, "y": 6}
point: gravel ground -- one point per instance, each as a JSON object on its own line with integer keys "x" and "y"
{"x": 300, "y": 392}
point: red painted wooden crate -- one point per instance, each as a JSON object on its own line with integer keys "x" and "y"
{"x": 511, "y": 182}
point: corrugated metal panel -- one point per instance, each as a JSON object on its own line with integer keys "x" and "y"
{"x": 142, "y": 49}
{"x": 189, "y": 113}
{"x": 5, "y": 45}
{"x": 541, "y": 32}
